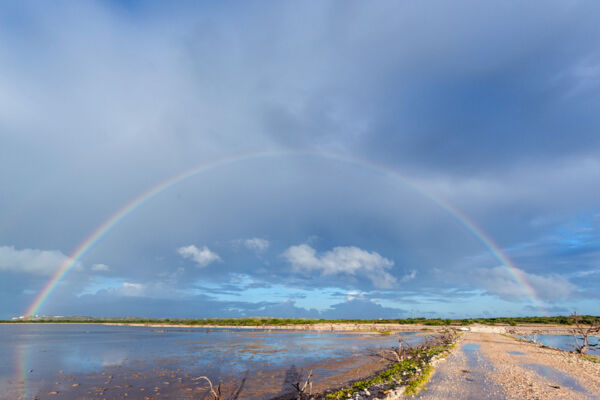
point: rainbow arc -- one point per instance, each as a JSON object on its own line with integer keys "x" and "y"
{"x": 104, "y": 228}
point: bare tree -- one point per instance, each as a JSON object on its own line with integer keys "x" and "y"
{"x": 301, "y": 389}
{"x": 395, "y": 354}
{"x": 582, "y": 333}
{"x": 447, "y": 336}
{"x": 534, "y": 335}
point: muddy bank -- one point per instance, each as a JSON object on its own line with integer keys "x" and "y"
{"x": 164, "y": 382}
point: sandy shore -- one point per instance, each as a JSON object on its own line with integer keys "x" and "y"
{"x": 374, "y": 328}
{"x": 494, "y": 366}
{"x": 364, "y": 328}
{"x": 355, "y": 327}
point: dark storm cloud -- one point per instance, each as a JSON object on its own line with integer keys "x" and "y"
{"x": 491, "y": 107}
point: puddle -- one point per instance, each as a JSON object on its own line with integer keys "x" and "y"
{"x": 516, "y": 353}
{"x": 558, "y": 377}
{"x": 476, "y": 361}
{"x": 476, "y": 374}
{"x": 474, "y": 383}
{"x": 471, "y": 347}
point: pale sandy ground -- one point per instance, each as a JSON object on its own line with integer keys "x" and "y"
{"x": 481, "y": 367}
{"x": 369, "y": 327}
{"x": 366, "y": 328}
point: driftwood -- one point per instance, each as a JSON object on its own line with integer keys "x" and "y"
{"x": 301, "y": 389}
{"x": 404, "y": 351}
{"x": 394, "y": 354}
{"x": 216, "y": 393}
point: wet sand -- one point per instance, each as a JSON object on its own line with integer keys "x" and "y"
{"x": 165, "y": 383}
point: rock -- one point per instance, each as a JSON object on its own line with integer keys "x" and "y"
{"x": 367, "y": 393}
{"x": 394, "y": 394}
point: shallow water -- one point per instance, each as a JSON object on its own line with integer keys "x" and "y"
{"x": 560, "y": 378}
{"x": 472, "y": 383}
{"x": 38, "y": 354}
{"x": 563, "y": 342}
{"x": 479, "y": 366}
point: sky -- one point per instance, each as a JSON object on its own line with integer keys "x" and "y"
{"x": 354, "y": 148}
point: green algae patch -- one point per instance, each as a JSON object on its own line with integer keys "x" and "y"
{"x": 412, "y": 373}
{"x": 591, "y": 358}
{"x": 418, "y": 384}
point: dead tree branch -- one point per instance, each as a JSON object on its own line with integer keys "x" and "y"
{"x": 582, "y": 333}
{"x": 301, "y": 390}
{"x": 216, "y": 394}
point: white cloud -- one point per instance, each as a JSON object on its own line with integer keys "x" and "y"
{"x": 342, "y": 260}
{"x": 32, "y": 261}
{"x": 100, "y": 267}
{"x": 132, "y": 289}
{"x": 104, "y": 286}
{"x": 500, "y": 282}
{"x": 410, "y": 276}
{"x": 355, "y": 294}
{"x": 257, "y": 244}
{"x": 202, "y": 257}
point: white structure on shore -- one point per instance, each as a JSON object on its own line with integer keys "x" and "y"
{"x": 35, "y": 317}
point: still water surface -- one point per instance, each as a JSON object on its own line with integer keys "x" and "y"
{"x": 42, "y": 357}
{"x": 564, "y": 342}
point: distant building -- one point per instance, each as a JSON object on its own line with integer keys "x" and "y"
{"x": 36, "y": 317}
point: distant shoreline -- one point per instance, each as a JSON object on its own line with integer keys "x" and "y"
{"x": 366, "y": 328}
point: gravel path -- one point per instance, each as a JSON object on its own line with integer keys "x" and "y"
{"x": 493, "y": 366}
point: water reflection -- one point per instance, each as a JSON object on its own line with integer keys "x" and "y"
{"x": 51, "y": 350}
{"x": 563, "y": 342}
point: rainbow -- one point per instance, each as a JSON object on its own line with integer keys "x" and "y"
{"x": 104, "y": 228}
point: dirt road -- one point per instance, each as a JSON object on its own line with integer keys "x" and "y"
{"x": 493, "y": 366}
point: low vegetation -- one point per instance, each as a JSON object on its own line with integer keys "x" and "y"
{"x": 260, "y": 321}
{"x": 411, "y": 371}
